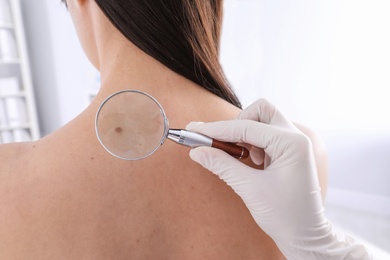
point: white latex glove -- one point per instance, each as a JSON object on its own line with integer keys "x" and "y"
{"x": 284, "y": 198}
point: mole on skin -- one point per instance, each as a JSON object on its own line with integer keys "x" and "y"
{"x": 118, "y": 129}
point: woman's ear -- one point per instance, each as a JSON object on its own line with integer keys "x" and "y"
{"x": 76, "y": 3}
{"x": 81, "y": 2}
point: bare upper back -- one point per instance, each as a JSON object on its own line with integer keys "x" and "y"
{"x": 63, "y": 199}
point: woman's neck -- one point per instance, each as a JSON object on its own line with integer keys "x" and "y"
{"x": 127, "y": 67}
{"x": 123, "y": 65}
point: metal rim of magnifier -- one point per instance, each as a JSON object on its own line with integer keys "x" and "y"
{"x": 163, "y": 137}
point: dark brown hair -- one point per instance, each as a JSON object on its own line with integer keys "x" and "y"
{"x": 184, "y": 35}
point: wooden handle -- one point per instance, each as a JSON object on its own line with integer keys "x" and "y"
{"x": 236, "y": 151}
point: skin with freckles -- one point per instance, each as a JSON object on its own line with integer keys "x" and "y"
{"x": 65, "y": 197}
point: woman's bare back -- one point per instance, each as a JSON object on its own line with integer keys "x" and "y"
{"x": 65, "y": 197}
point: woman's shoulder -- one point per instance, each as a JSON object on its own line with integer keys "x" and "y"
{"x": 13, "y": 161}
{"x": 319, "y": 147}
{"x": 320, "y": 156}
{"x": 206, "y": 108}
{"x": 10, "y": 153}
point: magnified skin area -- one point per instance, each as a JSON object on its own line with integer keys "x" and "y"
{"x": 131, "y": 125}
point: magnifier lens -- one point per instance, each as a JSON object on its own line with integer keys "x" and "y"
{"x": 131, "y": 125}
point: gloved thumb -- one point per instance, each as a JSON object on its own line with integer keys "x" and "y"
{"x": 227, "y": 168}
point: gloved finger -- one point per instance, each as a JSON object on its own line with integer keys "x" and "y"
{"x": 227, "y": 168}
{"x": 256, "y": 154}
{"x": 265, "y": 112}
{"x": 261, "y": 111}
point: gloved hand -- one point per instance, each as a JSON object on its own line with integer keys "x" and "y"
{"x": 284, "y": 198}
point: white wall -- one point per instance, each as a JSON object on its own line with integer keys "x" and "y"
{"x": 323, "y": 63}
{"x": 40, "y": 48}
{"x": 62, "y": 75}
{"x": 331, "y": 56}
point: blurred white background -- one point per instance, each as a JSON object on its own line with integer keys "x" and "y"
{"x": 325, "y": 64}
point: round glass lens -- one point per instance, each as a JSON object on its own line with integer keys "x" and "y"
{"x": 131, "y": 124}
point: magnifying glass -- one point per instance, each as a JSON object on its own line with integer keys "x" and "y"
{"x": 132, "y": 125}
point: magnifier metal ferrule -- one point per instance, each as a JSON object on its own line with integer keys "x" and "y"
{"x": 188, "y": 138}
